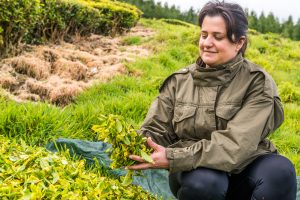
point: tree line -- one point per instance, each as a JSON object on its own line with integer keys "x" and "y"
{"x": 270, "y": 23}
{"x": 262, "y": 23}
{"x": 159, "y": 10}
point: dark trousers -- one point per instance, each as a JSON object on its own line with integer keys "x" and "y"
{"x": 269, "y": 177}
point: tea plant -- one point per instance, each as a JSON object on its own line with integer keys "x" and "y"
{"x": 125, "y": 141}
{"x": 35, "y": 173}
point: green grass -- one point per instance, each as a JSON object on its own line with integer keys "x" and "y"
{"x": 132, "y": 40}
{"x": 130, "y": 96}
{"x": 287, "y": 137}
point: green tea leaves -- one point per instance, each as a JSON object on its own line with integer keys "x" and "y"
{"x": 127, "y": 180}
{"x": 124, "y": 140}
{"x": 34, "y": 173}
{"x": 146, "y": 157}
{"x": 119, "y": 126}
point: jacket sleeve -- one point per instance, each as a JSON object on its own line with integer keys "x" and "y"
{"x": 229, "y": 148}
{"x": 157, "y": 123}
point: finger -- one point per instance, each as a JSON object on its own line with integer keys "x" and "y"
{"x": 136, "y": 158}
{"x": 140, "y": 166}
{"x": 152, "y": 144}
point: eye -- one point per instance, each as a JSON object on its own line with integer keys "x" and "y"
{"x": 219, "y": 37}
{"x": 203, "y": 35}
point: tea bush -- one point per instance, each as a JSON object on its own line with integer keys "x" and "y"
{"x": 63, "y": 18}
{"x": 117, "y": 15}
{"x": 16, "y": 18}
{"x": 39, "y": 21}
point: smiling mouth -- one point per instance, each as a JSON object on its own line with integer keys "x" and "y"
{"x": 210, "y": 52}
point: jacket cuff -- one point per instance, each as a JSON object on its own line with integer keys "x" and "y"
{"x": 180, "y": 159}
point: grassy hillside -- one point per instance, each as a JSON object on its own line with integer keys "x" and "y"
{"x": 173, "y": 47}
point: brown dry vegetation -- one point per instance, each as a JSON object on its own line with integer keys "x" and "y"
{"x": 57, "y": 73}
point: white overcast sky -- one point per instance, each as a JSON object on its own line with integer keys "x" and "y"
{"x": 280, "y": 8}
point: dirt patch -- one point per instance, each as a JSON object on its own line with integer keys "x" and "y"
{"x": 57, "y": 73}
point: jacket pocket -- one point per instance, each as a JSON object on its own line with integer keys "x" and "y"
{"x": 184, "y": 120}
{"x": 228, "y": 111}
{"x": 225, "y": 113}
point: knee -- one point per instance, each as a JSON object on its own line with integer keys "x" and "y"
{"x": 282, "y": 171}
{"x": 204, "y": 184}
{"x": 278, "y": 170}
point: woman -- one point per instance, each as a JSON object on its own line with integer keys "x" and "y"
{"x": 210, "y": 121}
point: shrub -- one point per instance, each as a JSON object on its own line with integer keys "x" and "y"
{"x": 16, "y": 18}
{"x": 118, "y": 16}
{"x": 39, "y": 21}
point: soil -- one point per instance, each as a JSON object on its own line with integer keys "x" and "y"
{"x": 57, "y": 73}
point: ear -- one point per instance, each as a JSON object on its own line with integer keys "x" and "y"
{"x": 240, "y": 43}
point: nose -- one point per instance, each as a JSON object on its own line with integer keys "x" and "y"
{"x": 207, "y": 42}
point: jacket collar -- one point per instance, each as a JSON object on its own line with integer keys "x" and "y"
{"x": 219, "y": 75}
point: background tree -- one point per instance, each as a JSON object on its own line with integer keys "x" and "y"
{"x": 296, "y": 31}
{"x": 287, "y": 27}
{"x": 272, "y": 24}
{"x": 261, "y": 24}
{"x": 252, "y": 20}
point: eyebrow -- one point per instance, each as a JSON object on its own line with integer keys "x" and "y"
{"x": 214, "y": 32}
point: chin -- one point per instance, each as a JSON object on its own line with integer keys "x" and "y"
{"x": 209, "y": 61}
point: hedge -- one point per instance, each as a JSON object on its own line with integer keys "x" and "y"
{"x": 39, "y": 21}
{"x": 16, "y": 18}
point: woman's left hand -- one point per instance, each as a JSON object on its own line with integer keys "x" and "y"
{"x": 159, "y": 157}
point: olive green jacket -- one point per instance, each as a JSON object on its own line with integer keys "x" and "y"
{"x": 217, "y": 118}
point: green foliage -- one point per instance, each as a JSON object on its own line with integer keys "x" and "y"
{"x": 124, "y": 139}
{"x": 132, "y": 40}
{"x": 130, "y": 96}
{"x": 158, "y": 11}
{"x": 271, "y": 24}
{"x": 32, "y": 123}
{"x": 176, "y": 22}
{"x": 64, "y": 18}
{"x": 16, "y": 18}
{"x": 287, "y": 137}
{"x": 41, "y": 20}
{"x": 117, "y": 17}
{"x": 35, "y": 173}
{"x": 289, "y": 93}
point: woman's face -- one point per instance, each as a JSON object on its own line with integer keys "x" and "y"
{"x": 215, "y": 47}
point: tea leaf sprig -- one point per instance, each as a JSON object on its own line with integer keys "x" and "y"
{"x": 124, "y": 139}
